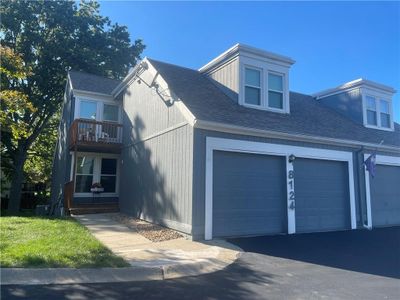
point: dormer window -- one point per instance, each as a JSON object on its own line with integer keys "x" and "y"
{"x": 385, "y": 113}
{"x": 252, "y": 93}
{"x": 378, "y": 112}
{"x": 371, "y": 111}
{"x": 275, "y": 91}
{"x": 252, "y": 77}
{"x": 363, "y": 101}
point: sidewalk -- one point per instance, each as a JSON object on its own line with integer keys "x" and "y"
{"x": 149, "y": 260}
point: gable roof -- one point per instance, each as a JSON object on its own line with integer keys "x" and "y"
{"x": 307, "y": 116}
{"x": 92, "y": 83}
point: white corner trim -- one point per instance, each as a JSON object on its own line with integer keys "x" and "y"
{"x": 368, "y": 196}
{"x": 291, "y": 204}
{"x": 270, "y": 149}
{"x": 379, "y": 160}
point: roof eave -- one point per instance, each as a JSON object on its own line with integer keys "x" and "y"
{"x": 238, "y": 48}
{"x": 235, "y": 129}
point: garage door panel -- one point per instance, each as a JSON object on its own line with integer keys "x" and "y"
{"x": 385, "y": 196}
{"x": 249, "y": 195}
{"x": 322, "y": 195}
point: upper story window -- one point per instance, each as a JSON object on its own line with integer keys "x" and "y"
{"x": 378, "y": 112}
{"x": 110, "y": 112}
{"x": 97, "y": 110}
{"x": 252, "y": 93}
{"x": 264, "y": 87}
{"x": 371, "y": 111}
{"x": 385, "y": 113}
{"x": 275, "y": 91}
{"x": 88, "y": 109}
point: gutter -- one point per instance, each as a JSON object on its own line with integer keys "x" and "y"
{"x": 234, "y": 129}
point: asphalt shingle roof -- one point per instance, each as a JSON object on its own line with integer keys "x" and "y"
{"x": 307, "y": 116}
{"x": 92, "y": 83}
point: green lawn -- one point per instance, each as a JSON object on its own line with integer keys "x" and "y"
{"x": 42, "y": 242}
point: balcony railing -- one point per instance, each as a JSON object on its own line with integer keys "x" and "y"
{"x": 93, "y": 133}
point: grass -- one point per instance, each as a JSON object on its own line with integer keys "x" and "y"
{"x": 29, "y": 241}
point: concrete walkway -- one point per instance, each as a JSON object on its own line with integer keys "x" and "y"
{"x": 149, "y": 260}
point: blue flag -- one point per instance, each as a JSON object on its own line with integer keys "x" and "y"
{"x": 370, "y": 164}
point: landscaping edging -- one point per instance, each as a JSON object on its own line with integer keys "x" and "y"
{"x": 44, "y": 276}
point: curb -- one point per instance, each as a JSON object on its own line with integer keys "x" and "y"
{"x": 10, "y": 276}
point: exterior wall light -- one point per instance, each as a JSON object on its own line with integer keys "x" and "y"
{"x": 291, "y": 158}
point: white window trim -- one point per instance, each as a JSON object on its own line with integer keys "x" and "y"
{"x": 380, "y": 160}
{"x": 119, "y": 112}
{"x": 262, "y": 97}
{"x": 266, "y": 67}
{"x": 96, "y": 172}
{"x": 276, "y": 91}
{"x": 99, "y": 109}
{"x": 377, "y": 96}
{"x": 231, "y": 145}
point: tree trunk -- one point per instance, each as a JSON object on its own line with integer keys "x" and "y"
{"x": 17, "y": 180}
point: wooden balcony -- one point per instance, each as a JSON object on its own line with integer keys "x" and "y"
{"x": 94, "y": 136}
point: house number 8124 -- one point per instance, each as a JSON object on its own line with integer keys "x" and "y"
{"x": 291, "y": 189}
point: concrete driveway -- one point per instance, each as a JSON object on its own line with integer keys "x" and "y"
{"x": 357, "y": 264}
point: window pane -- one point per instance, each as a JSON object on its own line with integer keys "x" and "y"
{"x": 252, "y": 96}
{"x": 88, "y": 110}
{"x": 371, "y": 105}
{"x": 110, "y": 113}
{"x": 108, "y": 183}
{"x": 85, "y": 165}
{"x": 385, "y": 120}
{"x": 275, "y": 82}
{"x": 384, "y": 106}
{"x": 275, "y": 100}
{"x": 252, "y": 77}
{"x": 83, "y": 183}
{"x": 108, "y": 166}
{"x": 371, "y": 117}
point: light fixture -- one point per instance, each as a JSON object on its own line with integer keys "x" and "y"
{"x": 291, "y": 158}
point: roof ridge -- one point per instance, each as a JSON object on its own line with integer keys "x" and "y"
{"x": 174, "y": 65}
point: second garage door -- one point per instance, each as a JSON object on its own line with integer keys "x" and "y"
{"x": 249, "y": 194}
{"x": 322, "y": 195}
{"x": 385, "y": 196}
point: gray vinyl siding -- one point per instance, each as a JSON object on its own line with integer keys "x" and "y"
{"x": 226, "y": 78}
{"x": 62, "y": 160}
{"x": 156, "y": 172}
{"x": 199, "y": 172}
{"x": 348, "y": 104}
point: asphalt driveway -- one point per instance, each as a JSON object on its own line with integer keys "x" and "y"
{"x": 374, "y": 252}
{"x": 357, "y": 264}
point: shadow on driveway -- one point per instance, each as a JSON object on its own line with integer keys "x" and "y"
{"x": 374, "y": 252}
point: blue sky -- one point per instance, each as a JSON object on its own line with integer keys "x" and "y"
{"x": 332, "y": 42}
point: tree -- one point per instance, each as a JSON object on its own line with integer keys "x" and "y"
{"x": 47, "y": 38}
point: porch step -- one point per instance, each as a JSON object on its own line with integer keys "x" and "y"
{"x": 94, "y": 208}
